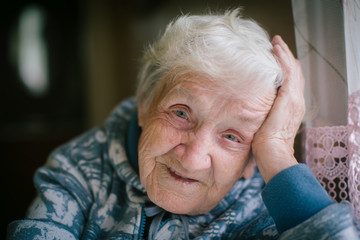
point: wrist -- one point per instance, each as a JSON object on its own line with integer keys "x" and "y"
{"x": 272, "y": 158}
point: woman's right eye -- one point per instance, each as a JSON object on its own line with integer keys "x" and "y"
{"x": 181, "y": 114}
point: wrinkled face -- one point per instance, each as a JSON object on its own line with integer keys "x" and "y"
{"x": 195, "y": 144}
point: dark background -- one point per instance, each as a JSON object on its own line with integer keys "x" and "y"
{"x": 93, "y": 51}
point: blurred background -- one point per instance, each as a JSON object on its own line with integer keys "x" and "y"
{"x": 65, "y": 65}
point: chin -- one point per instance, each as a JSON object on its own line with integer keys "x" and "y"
{"x": 181, "y": 208}
{"x": 178, "y": 205}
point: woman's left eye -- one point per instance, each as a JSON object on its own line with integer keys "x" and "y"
{"x": 181, "y": 114}
{"x": 231, "y": 137}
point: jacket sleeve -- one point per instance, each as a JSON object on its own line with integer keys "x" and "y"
{"x": 64, "y": 198}
{"x": 335, "y": 222}
{"x": 301, "y": 207}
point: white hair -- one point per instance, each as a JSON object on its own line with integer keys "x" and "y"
{"x": 222, "y": 47}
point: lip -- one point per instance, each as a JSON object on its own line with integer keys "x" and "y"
{"x": 180, "y": 177}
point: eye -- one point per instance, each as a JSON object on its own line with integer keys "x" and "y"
{"x": 231, "y": 137}
{"x": 181, "y": 117}
{"x": 181, "y": 114}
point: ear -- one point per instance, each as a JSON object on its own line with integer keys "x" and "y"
{"x": 249, "y": 168}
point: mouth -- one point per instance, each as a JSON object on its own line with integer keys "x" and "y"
{"x": 180, "y": 178}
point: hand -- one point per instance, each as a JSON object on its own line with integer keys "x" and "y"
{"x": 273, "y": 144}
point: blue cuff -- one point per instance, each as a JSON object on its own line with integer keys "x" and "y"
{"x": 293, "y": 196}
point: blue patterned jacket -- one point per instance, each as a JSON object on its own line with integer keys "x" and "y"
{"x": 89, "y": 190}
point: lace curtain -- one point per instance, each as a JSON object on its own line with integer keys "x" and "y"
{"x": 327, "y": 41}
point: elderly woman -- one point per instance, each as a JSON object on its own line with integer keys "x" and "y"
{"x": 179, "y": 161}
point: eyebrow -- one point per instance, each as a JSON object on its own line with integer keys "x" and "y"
{"x": 247, "y": 119}
{"x": 179, "y": 90}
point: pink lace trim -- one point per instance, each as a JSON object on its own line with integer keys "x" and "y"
{"x": 333, "y": 155}
{"x": 326, "y": 153}
{"x": 354, "y": 151}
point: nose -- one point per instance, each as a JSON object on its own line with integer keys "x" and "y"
{"x": 194, "y": 152}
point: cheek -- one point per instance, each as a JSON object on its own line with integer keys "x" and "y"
{"x": 228, "y": 171}
{"x": 156, "y": 139}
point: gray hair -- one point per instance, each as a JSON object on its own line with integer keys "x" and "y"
{"x": 226, "y": 47}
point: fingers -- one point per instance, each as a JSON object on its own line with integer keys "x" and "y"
{"x": 277, "y": 40}
{"x": 281, "y": 47}
{"x": 293, "y": 77}
{"x": 284, "y": 54}
{"x": 272, "y": 145}
{"x": 292, "y": 89}
{"x": 289, "y": 106}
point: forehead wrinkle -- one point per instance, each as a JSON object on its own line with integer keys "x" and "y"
{"x": 192, "y": 93}
{"x": 180, "y": 90}
{"x": 176, "y": 91}
{"x": 236, "y": 110}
